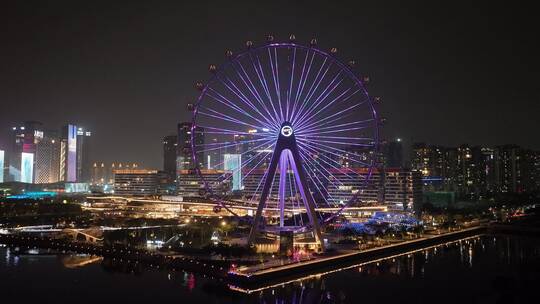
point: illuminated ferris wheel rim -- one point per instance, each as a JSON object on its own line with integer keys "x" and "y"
{"x": 289, "y": 128}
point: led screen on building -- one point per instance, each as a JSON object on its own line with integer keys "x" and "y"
{"x": 27, "y": 167}
{"x": 76, "y": 187}
{"x": 233, "y": 162}
{"x": 1, "y": 166}
{"x": 71, "y": 175}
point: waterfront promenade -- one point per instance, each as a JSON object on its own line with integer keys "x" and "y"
{"x": 247, "y": 278}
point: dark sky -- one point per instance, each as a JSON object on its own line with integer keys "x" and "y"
{"x": 448, "y": 73}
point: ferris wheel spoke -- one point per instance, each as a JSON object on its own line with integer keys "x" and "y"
{"x": 267, "y": 143}
{"x": 313, "y": 88}
{"x": 275, "y": 77}
{"x": 323, "y": 149}
{"x": 219, "y": 115}
{"x": 335, "y": 128}
{"x": 257, "y": 95}
{"x": 224, "y": 100}
{"x": 330, "y": 119}
{"x": 314, "y": 117}
{"x": 243, "y": 112}
{"x": 248, "y": 161}
{"x": 232, "y": 87}
{"x": 340, "y": 143}
{"x": 309, "y": 137}
{"x": 324, "y": 194}
{"x": 254, "y": 195}
{"x": 260, "y": 76}
{"x": 290, "y": 85}
{"x": 303, "y": 79}
{"x": 338, "y": 167}
{"x": 224, "y": 145}
{"x": 265, "y": 84}
{"x": 256, "y": 167}
{"x": 324, "y": 94}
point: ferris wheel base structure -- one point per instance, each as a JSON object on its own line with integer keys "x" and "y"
{"x": 286, "y": 155}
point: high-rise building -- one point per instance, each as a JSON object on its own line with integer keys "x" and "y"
{"x": 75, "y": 165}
{"x": 184, "y": 159}
{"x": 2, "y": 155}
{"x": 47, "y": 159}
{"x": 508, "y": 168}
{"x": 429, "y": 160}
{"x": 84, "y": 164}
{"x": 170, "y": 144}
{"x": 23, "y": 140}
{"x": 393, "y": 153}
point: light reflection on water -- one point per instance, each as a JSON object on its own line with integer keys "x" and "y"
{"x": 484, "y": 269}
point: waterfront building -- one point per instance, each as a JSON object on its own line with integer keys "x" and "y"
{"x": 401, "y": 188}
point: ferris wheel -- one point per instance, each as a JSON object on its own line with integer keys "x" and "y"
{"x": 288, "y": 129}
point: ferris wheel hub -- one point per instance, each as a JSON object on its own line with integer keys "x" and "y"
{"x": 286, "y": 130}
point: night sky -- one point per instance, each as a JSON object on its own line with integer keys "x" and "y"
{"x": 448, "y": 73}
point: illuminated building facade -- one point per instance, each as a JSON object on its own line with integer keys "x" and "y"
{"x": 47, "y": 159}
{"x": 233, "y": 163}
{"x": 402, "y": 188}
{"x": 136, "y": 182}
{"x": 75, "y": 164}
{"x": 191, "y": 185}
{"x": 184, "y": 156}
{"x": 2, "y": 156}
{"x": 23, "y": 139}
{"x": 84, "y": 164}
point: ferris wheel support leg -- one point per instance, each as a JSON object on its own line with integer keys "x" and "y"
{"x": 283, "y": 162}
{"x": 264, "y": 195}
{"x": 309, "y": 202}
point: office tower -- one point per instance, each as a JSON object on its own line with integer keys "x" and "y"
{"x": 68, "y": 154}
{"x": 84, "y": 164}
{"x": 22, "y": 140}
{"x": 75, "y": 165}
{"x": 2, "y": 156}
{"x": 47, "y": 159}
{"x": 184, "y": 153}
{"x": 169, "y": 155}
{"x": 393, "y": 153}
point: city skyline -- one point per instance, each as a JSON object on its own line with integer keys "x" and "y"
{"x": 444, "y": 87}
